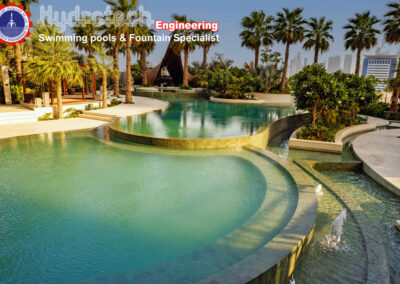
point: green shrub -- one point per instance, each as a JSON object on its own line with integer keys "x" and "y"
{"x": 46, "y": 116}
{"x": 114, "y": 102}
{"x": 91, "y": 107}
{"x": 72, "y": 113}
{"x": 375, "y": 109}
{"x": 183, "y": 87}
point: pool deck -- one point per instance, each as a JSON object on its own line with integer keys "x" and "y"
{"x": 380, "y": 154}
{"x": 141, "y": 105}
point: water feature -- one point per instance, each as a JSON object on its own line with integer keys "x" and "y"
{"x": 77, "y": 206}
{"x": 200, "y": 118}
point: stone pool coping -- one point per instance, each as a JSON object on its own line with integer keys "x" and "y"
{"x": 235, "y": 101}
{"x": 341, "y": 138}
{"x": 377, "y": 263}
{"x": 287, "y": 246}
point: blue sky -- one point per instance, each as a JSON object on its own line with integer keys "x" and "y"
{"x": 229, "y": 14}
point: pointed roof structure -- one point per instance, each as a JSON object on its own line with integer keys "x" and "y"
{"x": 173, "y": 63}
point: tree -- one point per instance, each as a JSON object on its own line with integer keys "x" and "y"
{"x": 361, "y": 35}
{"x": 103, "y": 69}
{"x": 206, "y": 45}
{"x": 392, "y": 35}
{"x": 220, "y": 62}
{"x": 257, "y": 32}
{"x": 125, "y": 7}
{"x": 185, "y": 45}
{"x": 17, "y": 46}
{"x": 318, "y": 36}
{"x": 86, "y": 27}
{"x": 5, "y": 55}
{"x": 288, "y": 30}
{"x": 53, "y": 61}
{"x": 114, "y": 47}
{"x": 144, "y": 47}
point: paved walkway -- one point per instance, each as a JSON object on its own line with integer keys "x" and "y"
{"x": 380, "y": 153}
{"x": 142, "y": 105}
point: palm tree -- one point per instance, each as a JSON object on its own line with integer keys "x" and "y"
{"x": 144, "y": 47}
{"x": 289, "y": 30}
{"x": 87, "y": 27}
{"x": 125, "y": 7}
{"x": 318, "y": 36}
{"x": 361, "y": 35}
{"x": 53, "y": 61}
{"x": 103, "y": 69}
{"x": 114, "y": 48}
{"x": 5, "y": 56}
{"x": 257, "y": 32}
{"x": 185, "y": 46}
{"x": 17, "y": 46}
{"x": 392, "y": 35}
{"x": 206, "y": 45}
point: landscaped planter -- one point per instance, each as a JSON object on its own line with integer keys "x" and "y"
{"x": 330, "y": 147}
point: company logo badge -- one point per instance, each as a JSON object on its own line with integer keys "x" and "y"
{"x": 14, "y": 24}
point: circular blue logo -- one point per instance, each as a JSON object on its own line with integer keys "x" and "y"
{"x": 14, "y": 24}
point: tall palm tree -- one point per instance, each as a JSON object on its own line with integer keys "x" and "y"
{"x": 88, "y": 28}
{"x": 185, "y": 46}
{"x": 318, "y": 36}
{"x": 125, "y": 7}
{"x": 289, "y": 29}
{"x": 114, "y": 48}
{"x": 361, "y": 35}
{"x": 17, "y": 46}
{"x": 5, "y": 56}
{"x": 53, "y": 61}
{"x": 258, "y": 32}
{"x": 206, "y": 45}
{"x": 144, "y": 47}
{"x": 392, "y": 35}
{"x": 102, "y": 68}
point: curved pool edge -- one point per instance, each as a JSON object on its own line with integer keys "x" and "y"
{"x": 275, "y": 262}
{"x": 377, "y": 262}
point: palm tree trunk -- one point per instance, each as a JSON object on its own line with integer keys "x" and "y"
{"x": 205, "y": 52}
{"x": 104, "y": 90}
{"x": 316, "y": 56}
{"x": 358, "y": 63}
{"x": 116, "y": 67}
{"x": 64, "y": 83}
{"x": 144, "y": 69}
{"x": 87, "y": 85}
{"x": 83, "y": 89}
{"x": 185, "y": 69}
{"x": 6, "y": 85}
{"x": 128, "y": 95}
{"x": 285, "y": 67}
{"x": 59, "y": 99}
{"x": 394, "y": 107}
{"x": 18, "y": 63}
{"x": 93, "y": 86}
{"x": 257, "y": 52}
{"x": 52, "y": 92}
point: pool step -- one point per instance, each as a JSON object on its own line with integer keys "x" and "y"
{"x": 96, "y": 117}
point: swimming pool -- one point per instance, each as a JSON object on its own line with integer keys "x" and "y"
{"x": 79, "y": 206}
{"x": 201, "y": 118}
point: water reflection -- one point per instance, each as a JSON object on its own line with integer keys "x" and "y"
{"x": 197, "y": 118}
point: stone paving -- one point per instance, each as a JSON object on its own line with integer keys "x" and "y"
{"x": 380, "y": 153}
{"x": 142, "y": 105}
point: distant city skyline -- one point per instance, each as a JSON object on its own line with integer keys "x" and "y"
{"x": 229, "y": 21}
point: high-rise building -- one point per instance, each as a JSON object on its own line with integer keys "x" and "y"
{"x": 348, "y": 63}
{"x": 298, "y": 63}
{"x": 333, "y": 64}
{"x": 305, "y": 62}
{"x": 383, "y": 67}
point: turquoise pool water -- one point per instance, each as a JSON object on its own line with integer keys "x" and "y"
{"x": 78, "y": 206}
{"x": 199, "y": 118}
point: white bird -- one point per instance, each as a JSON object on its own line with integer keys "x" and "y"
{"x": 318, "y": 190}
